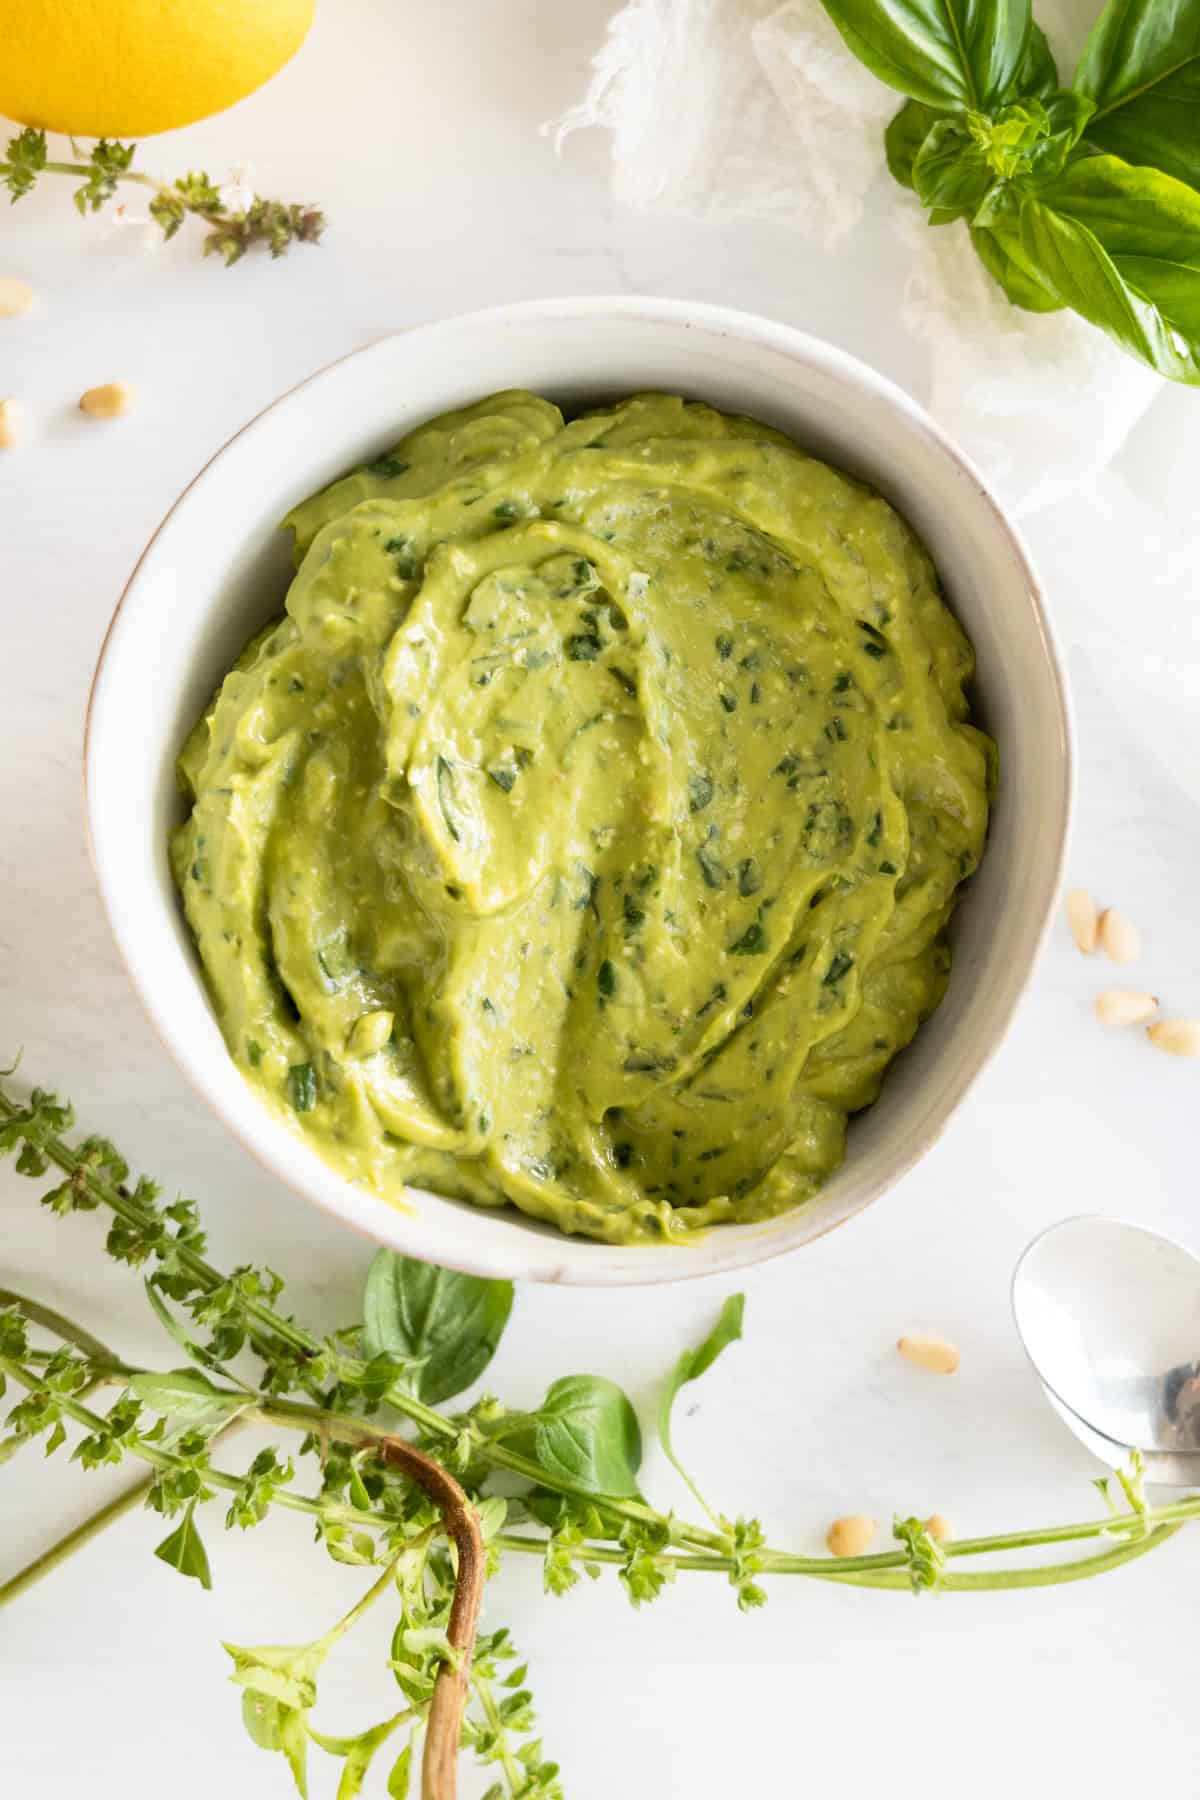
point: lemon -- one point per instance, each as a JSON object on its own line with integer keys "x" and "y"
{"x": 125, "y": 68}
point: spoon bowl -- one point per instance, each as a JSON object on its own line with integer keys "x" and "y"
{"x": 1109, "y": 1315}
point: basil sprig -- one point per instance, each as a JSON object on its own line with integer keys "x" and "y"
{"x": 1086, "y": 196}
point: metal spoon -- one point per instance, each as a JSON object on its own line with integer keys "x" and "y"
{"x": 1109, "y": 1315}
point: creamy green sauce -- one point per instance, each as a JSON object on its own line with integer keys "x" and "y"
{"x": 583, "y": 836}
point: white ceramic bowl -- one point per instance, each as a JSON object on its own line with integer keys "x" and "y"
{"x": 218, "y": 566}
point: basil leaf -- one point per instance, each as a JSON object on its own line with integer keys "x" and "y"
{"x": 1149, "y": 225}
{"x": 187, "y": 1394}
{"x": 184, "y": 1549}
{"x": 586, "y": 1432}
{"x": 283, "y": 1672}
{"x": 690, "y": 1366}
{"x": 263, "y": 1720}
{"x": 966, "y": 161}
{"x": 400, "y": 1780}
{"x": 1075, "y": 265}
{"x": 1067, "y": 116}
{"x": 188, "y": 1345}
{"x": 450, "y": 1323}
{"x": 1133, "y": 212}
{"x": 302, "y": 1086}
{"x": 1037, "y": 78}
{"x": 1050, "y": 114}
{"x": 905, "y": 136}
{"x": 945, "y": 53}
{"x": 951, "y": 172}
{"x": 1141, "y": 66}
{"x": 1003, "y": 256}
{"x": 359, "y": 1753}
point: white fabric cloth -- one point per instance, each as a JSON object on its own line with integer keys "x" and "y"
{"x": 720, "y": 108}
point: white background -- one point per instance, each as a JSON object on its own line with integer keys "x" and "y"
{"x": 417, "y": 129}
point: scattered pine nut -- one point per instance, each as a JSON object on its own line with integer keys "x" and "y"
{"x": 16, "y": 296}
{"x": 110, "y": 401}
{"x": 1123, "y": 1006}
{"x": 1119, "y": 937}
{"x": 936, "y": 1354}
{"x": 938, "y": 1528}
{"x": 850, "y": 1536}
{"x": 12, "y": 423}
{"x": 1178, "y": 1037}
{"x": 370, "y": 1033}
{"x": 1083, "y": 918}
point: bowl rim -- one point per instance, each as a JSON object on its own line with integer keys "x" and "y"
{"x": 601, "y": 1265}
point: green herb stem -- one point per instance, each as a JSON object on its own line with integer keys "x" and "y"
{"x": 272, "y": 223}
{"x": 434, "y": 1424}
{"x": 513, "y": 1773}
{"x": 358, "y": 1431}
{"x": 219, "y": 1478}
{"x": 60, "y": 1325}
{"x": 83, "y": 170}
{"x": 365, "y": 1603}
{"x": 995, "y": 1580}
{"x": 66, "y": 1546}
{"x": 885, "y": 1570}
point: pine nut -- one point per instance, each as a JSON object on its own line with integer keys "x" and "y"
{"x": 938, "y": 1528}
{"x": 850, "y": 1536}
{"x": 110, "y": 401}
{"x": 370, "y": 1033}
{"x": 1124, "y": 1006}
{"x": 1119, "y": 937}
{"x": 1178, "y": 1037}
{"x": 16, "y": 296}
{"x": 936, "y": 1354}
{"x": 12, "y": 424}
{"x": 1083, "y": 918}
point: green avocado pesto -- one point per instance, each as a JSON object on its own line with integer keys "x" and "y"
{"x": 583, "y": 836}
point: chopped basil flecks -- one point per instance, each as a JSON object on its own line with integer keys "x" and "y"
{"x": 302, "y": 1087}
{"x": 711, "y": 868}
{"x": 752, "y": 942}
{"x": 700, "y": 792}
{"x": 840, "y": 964}
{"x": 749, "y": 877}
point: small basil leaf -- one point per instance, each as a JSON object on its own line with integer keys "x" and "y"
{"x": 359, "y": 1753}
{"x": 449, "y": 1323}
{"x": 690, "y": 1366}
{"x": 188, "y": 1345}
{"x": 186, "y": 1394}
{"x": 945, "y": 53}
{"x": 951, "y": 172}
{"x": 1141, "y": 66}
{"x": 1003, "y": 256}
{"x": 1075, "y": 265}
{"x": 263, "y": 1720}
{"x": 400, "y": 1779}
{"x": 283, "y": 1672}
{"x": 493, "y": 1511}
{"x": 293, "y": 1742}
{"x": 184, "y": 1549}
{"x": 905, "y": 136}
{"x": 1068, "y": 113}
{"x": 586, "y": 1432}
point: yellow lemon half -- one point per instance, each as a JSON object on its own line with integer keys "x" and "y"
{"x": 125, "y": 68}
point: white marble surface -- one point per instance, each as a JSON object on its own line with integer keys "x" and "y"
{"x": 417, "y": 128}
